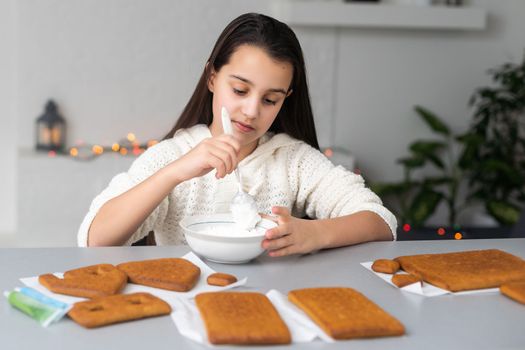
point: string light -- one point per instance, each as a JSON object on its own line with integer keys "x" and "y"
{"x": 441, "y": 231}
{"x": 127, "y": 146}
{"x": 458, "y": 235}
{"x": 98, "y": 150}
{"x": 406, "y": 227}
{"x": 73, "y": 152}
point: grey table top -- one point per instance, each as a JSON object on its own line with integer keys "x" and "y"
{"x": 482, "y": 321}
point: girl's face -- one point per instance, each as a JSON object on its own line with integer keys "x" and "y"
{"x": 252, "y": 87}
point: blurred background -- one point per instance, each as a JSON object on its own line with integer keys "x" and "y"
{"x": 115, "y": 67}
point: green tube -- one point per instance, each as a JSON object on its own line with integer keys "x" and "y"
{"x": 44, "y": 314}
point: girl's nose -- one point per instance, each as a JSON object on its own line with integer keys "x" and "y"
{"x": 250, "y": 108}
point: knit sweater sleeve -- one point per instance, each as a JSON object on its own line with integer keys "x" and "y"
{"x": 327, "y": 191}
{"x": 143, "y": 167}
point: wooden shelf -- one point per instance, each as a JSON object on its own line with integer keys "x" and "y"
{"x": 335, "y": 14}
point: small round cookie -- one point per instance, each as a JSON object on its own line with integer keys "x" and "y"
{"x": 221, "y": 279}
{"x": 402, "y": 280}
{"x": 385, "y": 266}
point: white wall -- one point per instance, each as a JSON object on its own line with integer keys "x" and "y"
{"x": 8, "y": 140}
{"x": 383, "y": 74}
{"x": 116, "y": 66}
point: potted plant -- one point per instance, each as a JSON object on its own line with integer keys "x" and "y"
{"x": 494, "y": 150}
{"x": 419, "y": 194}
{"x": 490, "y": 163}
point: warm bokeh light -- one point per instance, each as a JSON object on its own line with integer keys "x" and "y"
{"x": 152, "y": 143}
{"x": 129, "y": 146}
{"x": 97, "y": 149}
{"x": 406, "y": 227}
{"x": 51, "y": 153}
{"x": 458, "y": 235}
{"x": 441, "y": 231}
{"x": 73, "y": 151}
{"x": 328, "y": 152}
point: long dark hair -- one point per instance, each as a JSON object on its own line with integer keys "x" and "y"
{"x": 295, "y": 117}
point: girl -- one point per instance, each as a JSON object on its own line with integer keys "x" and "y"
{"x": 257, "y": 72}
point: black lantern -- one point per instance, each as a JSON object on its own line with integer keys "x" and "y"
{"x": 50, "y": 129}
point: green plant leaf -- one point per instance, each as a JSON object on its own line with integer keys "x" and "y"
{"x": 504, "y": 212}
{"x": 387, "y": 189}
{"x": 471, "y": 146}
{"x": 428, "y": 150}
{"x": 414, "y": 162}
{"x": 502, "y": 171}
{"x": 437, "y": 181}
{"x": 426, "y": 147}
{"x": 423, "y": 206}
{"x": 436, "y": 161}
{"x": 435, "y": 123}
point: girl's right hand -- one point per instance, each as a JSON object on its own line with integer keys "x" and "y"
{"x": 218, "y": 153}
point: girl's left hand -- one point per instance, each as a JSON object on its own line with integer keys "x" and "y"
{"x": 292, "y": 235}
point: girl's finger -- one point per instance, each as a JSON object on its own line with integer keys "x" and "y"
{"x": 217, "y": 164}
{"x": 280, "y": 211}
{"x": 282, "y": 252}
{"x": 224, "y": 157}
{"x": 231, "y": 154}
{"x": 275, "y": 244}
{"x": 276, "y": 232}
{"x": 229, "y": 139}
{"x": 269, "y": 217}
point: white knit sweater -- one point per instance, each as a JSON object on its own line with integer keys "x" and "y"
{"x": 281, "y": 171}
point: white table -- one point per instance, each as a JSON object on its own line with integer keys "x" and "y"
{"x": 487, "y": 321}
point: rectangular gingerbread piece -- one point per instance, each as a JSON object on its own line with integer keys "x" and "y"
{"x": 241, "y": 318}
{"x": 344, "y": 313}
{"x": 117, "y": 308}
{"x": 477, "y": 269}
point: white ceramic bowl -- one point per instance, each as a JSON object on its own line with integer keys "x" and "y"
{"x": 209, "y": 236}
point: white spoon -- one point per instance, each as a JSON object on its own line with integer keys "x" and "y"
{"x": 243, "y": 206}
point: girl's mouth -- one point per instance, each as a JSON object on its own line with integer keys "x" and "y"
{"x": 242, "y": 127}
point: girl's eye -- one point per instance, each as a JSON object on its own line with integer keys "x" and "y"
{"x": 270, "y": 102}
{"x": 238, "y": 92}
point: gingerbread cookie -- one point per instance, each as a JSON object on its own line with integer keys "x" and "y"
{"x": 117, "y": 308}
{"x": 403, "y": 279}
{"x": 221, "y": 279}
{"x": 459, "y": 271}
{"x": 344, "y": 313}
{"x": 385, "y": 266}
{"x": 241, "y": 318}
{"x": 515, "y": 291}
{"x": 175, "y": 274}
{"x": 87, "y": 282}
